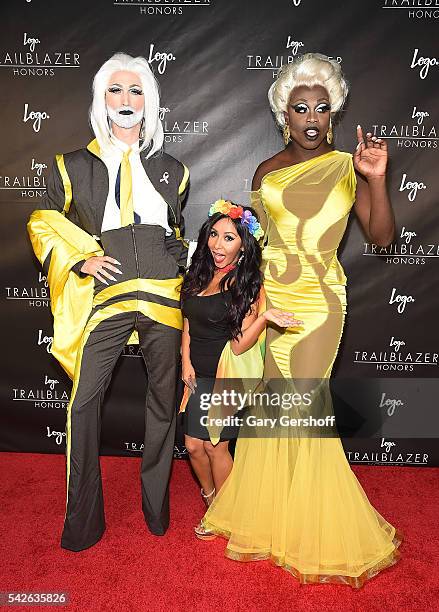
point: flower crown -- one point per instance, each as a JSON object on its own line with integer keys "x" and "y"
{"x": 237, "y": 212}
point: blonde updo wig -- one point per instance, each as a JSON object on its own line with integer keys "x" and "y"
{"x": 309, "y": 69}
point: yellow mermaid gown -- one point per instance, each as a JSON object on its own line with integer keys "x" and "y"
{"x": 294, "y": 499}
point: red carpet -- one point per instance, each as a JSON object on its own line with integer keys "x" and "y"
{"x": 133, "y": 570}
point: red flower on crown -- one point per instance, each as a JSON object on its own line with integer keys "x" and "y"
{"x": 235, "y": 212}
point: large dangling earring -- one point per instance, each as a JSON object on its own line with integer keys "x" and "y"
{"x": 142, "y": 129}
{"x": 330, "y": 133}
{"x": 287, "y": 134}
{"x": 241, "y": 257}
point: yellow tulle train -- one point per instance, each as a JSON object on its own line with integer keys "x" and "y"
{"x": 298, "y": 503}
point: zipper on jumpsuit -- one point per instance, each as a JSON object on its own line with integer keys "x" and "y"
{"x": 137, "y": 269}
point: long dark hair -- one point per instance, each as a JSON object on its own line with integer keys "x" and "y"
{"x": 243, "y": 282}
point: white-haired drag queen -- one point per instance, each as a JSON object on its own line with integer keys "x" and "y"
{"x": 109, "y": 235}
{"x": 291, "y": 496}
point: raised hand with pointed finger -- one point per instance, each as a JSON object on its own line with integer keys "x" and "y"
{"x": 370, "y": 156}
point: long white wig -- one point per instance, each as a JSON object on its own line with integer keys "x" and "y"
{"x": 309, "y": 69}
{"x": 152, "y": 126}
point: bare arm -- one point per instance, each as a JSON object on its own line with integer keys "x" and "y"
{"x": 255, "y": 197}
{"x": 261, "y": 171}
{"x": 254, "y": 324}
{"x": 372, "y": 204}
{"x": 185, "y": 342}
{"x": 188, "y": 372}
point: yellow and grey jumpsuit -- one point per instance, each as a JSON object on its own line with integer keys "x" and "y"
{"x": 144, "y": 300}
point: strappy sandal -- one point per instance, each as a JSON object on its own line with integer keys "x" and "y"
{"x": 204, "y": 534}
{"x": 200, "y": 531}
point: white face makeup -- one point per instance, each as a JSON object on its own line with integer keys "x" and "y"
{"x": 124, "y": 99}
{"x": 125, "y": 116}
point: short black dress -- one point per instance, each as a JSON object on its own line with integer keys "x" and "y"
{"x": 209, "y": 333}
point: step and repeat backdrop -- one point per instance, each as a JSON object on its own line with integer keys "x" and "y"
{"x": 215, "y": 61}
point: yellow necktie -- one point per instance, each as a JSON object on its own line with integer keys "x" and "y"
{"x": 126, "y": 191}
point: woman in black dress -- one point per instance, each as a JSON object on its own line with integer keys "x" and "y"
{"x": 221, "y": 297}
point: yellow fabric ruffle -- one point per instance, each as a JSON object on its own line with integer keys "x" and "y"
{"x": 71, "y": 297}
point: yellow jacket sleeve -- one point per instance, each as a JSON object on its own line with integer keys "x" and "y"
{"x": 71, "y": 296}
